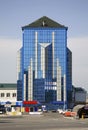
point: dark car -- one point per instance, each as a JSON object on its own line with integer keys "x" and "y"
{"x": 2, "y": 109}
{"x": 83, "y": 112}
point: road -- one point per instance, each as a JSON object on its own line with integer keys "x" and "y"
{"x": 48, "y": 121}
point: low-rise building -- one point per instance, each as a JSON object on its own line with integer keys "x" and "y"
{"x": 79, "y": 95}
{"x": 8, "y": 92}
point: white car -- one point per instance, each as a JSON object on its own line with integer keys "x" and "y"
{"x": 60, "y": 111}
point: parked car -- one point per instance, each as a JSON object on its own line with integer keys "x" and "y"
{"x": 2, "y": 109}
{"x": 83, "y": 112}
{"x": 54, "y": 110}
{"x": 60, "y": 111}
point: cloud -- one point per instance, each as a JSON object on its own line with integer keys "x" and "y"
{"x": 8, "y": 54}
{"x": 79, "y": 48}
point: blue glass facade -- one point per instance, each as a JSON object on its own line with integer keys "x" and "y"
{"x": 43, "y": 64}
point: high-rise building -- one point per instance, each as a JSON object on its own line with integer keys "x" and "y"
{"x": 44, "y": 63}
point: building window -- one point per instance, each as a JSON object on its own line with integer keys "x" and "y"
{"x": 14, "y": 95}
{"x": 8, "y": 95}
{"x": 2, "y": 94}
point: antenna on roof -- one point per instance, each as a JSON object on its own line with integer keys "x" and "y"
{"x": 43, "y": 23}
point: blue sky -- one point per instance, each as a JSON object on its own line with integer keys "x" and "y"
{"x": 16, "y": 13}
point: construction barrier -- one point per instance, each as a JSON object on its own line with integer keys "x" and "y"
{"x": 70, "y": 114}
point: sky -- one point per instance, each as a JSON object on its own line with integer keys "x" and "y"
{"x": 16, "y": 13}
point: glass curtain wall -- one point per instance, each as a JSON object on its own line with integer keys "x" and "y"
{"x": 44, "y": 57}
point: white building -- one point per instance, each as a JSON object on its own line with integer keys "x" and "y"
{"x": 8, "y": 92}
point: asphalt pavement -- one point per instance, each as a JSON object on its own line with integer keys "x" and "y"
{"x": 46, "y": 121}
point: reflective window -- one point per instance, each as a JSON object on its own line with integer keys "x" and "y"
{"x": 44, "y": 56}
